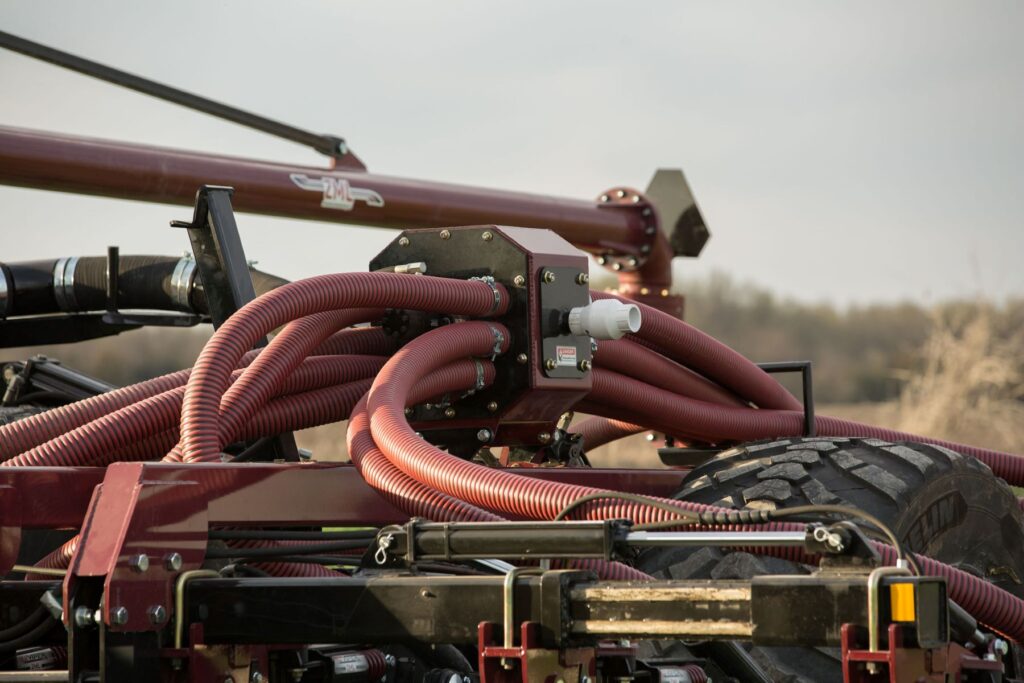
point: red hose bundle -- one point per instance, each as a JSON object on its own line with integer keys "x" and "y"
{"x": 669, "y": 376}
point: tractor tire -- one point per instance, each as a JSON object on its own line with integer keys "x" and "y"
{"x": 938, "y": 503}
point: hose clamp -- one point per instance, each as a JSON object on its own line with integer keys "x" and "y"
{"x": 64, "y": 283}
{"x": 181, "y": 282}
{"x": 5, "y": 297}
{"x": 479, "y": 375}
{"x": 489, "y": 281}
{"x": 499, "y": 340}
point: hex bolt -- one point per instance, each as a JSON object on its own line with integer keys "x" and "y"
{"x": 601, "y": 260}
{"x": 633, "y": 261}
{"x": 445, "y": 234}
{"x": 636, "y": 199}
{"x": 408, "y": 412}
{"x": 605, "y": 198}
{"x": 83, "y": 617}
{"x": 119, "y": 616}
{"x": 550, "y": 364}
{"x": 449, "y": 412}
{"x": 522, "y": 358}
{"x": 616, "y": 266}
{"x": 173, "y": 562}
{"x": 620, "y": 194}
{"x": 157, "y": 614}
{"x": 582, "y": 279}
{"x": 487, "y": 236}
{"x": 403, "y": 241}
{"x": 548, "y": 276}
{"x": 544, "y": 437}
{"x": 484, "y": 435}
{"x": 139, "y": 563}
{"x": 519, "y": 281}
{"x": 584, "y": 365}
{"x": 492, "y": 406}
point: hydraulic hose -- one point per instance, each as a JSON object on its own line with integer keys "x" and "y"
{"x": 314, "y": 394}
{"x": 598, "y": 431}
{"x": 210, "y": 377}
{"x": 714, "y": 360}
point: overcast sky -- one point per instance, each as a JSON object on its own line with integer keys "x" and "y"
{"x": 854, "y": 153}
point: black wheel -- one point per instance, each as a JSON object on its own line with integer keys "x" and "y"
{"x": 938, "y": 502}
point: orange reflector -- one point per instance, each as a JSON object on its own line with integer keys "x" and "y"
{"x": 901, "y": 597}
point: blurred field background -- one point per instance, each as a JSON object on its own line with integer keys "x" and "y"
{"x": 953, "y": 370}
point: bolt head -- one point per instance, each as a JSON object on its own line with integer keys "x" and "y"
{"x": 620, "y": 194}
{"x": 119, "y": 616}
{"x": 484, "y": 435}
{"x": 408, "y": 412}
{"x": 449, "y": 412}
{"x": 633, "y": 261}
{"x": 616, "y": 266}
{"x": 605, "y": 198}
{"x": 584, "y": 365}
{"x": 650, "y": 230}
{"x": 487, "y": 236}
{"x": 601, "y": 260}
{"x": 1000, "y": 647}
{"x": 519, "y": 281}
{"x": 157, "y": 614}
{"x": 403, "y": 241}
{"x": 446, "y": 234}
{"x": 492, "y": 406}
{"x": 139, "y": 563}
{"x": 550, "y": 364}
{"x": 522, "y": 358}
{"x": 173, "y": 561}
{"x": 544, "y": 437}
{"x": 548, "y": 276}
{"x": 582, "y": 279}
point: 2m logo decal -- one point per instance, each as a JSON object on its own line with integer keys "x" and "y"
{"x": 337, "y": 193}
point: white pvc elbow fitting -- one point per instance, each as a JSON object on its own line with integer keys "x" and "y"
{"x": 605, "y": 319}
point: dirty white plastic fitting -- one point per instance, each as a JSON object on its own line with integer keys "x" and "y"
{"x": 605, "y": 319}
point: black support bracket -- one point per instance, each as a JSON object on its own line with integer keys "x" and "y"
{"x": 227, "y": 283}
{"x": 804, "y": 368}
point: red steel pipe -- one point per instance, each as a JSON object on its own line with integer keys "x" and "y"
{"x": 67, "y": 163}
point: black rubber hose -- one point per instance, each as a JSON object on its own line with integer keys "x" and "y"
{"x": 30, "y": 637}
{"x": 144, "y": 282}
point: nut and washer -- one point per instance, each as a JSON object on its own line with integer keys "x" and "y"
{"x": 550, "y": 364}
{"x": 519, "y": 281}
{"x": 544, "y": 437}
{"x": 548, "y": 276}
{"x": 584, "y": 365}
{"x": 582, "y": 279}
{"x": 492, "y": 406}
{"x": 449, "y": 412}
{"x": 484, "y": 435}
{"x": 445, "y": 234}
{"x": 84, "y": 617}
{"x": 403, "y": 241}
{"x": 139, "y": 563}
{"x": 119, "y": 616}
{"x": 173, "y": 562}
{"x": 487, "y": 236}
{"x": 522, "y": 358}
